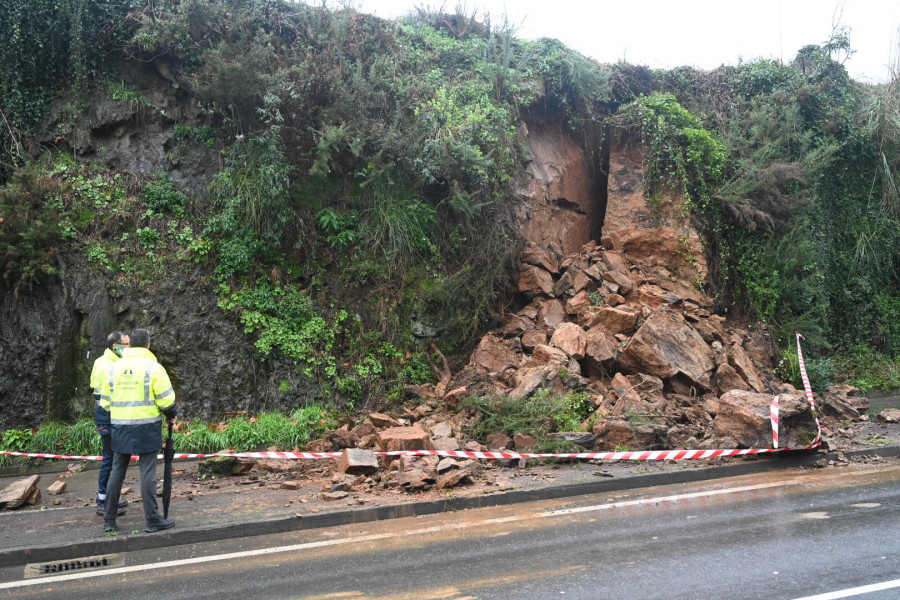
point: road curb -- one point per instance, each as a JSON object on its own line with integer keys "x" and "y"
{"x": 24, "y": 555}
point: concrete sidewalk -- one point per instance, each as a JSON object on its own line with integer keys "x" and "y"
{"x": 73, "y": 530}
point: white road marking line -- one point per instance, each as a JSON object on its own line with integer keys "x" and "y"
{"x": 675, "y": 498}
{"x": 857, "y": 591}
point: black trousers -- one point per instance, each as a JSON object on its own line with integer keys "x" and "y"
{"x": 148, "y": 485}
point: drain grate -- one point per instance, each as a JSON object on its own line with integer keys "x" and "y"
{"x": 77, "y": 565}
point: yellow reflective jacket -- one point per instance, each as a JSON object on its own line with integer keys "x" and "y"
{"x": 139, "y": 393}
{"x": 99, "y": 373}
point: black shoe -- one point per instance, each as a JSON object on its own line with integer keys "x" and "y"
{"x": 109, "y": 526}
{"x": 101, "y": 507}
{"x": 158, "y": 524}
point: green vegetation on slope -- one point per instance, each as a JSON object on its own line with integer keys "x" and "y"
{"x": 367, "y": 168}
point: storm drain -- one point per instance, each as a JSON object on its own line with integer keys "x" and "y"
{"x": 77, "y": 565}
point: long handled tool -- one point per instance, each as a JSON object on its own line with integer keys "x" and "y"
{"x": 168, "y": 456}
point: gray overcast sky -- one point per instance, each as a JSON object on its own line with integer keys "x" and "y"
{"x": 700, "y": 33}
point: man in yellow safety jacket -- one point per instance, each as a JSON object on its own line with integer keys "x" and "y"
{"x": 115, "y": 343}
{"x": 139, "y": 393}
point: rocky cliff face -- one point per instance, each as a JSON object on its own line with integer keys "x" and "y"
{"x": 609, "y": 300}
{"x": 140, "y": 133}
{"x": 49, "y": 341}
{"x": 50, "y": 337}
{"x": 554, "y": 201}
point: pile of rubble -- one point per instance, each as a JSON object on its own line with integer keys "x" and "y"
{"x": 360, "y": 469}
{"x": 625, "y": 322}
{"x": 428, "y": 427}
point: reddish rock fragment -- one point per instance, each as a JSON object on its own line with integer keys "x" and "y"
{"x": 356, "y": 461}
{"x": 403, "y": 438}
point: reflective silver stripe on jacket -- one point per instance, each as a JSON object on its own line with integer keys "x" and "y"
{"x": 156, "y": 419}
{"x": 150, "y": 368}
{"x": 165, "y": 394}
{"x": 120, "y": 403}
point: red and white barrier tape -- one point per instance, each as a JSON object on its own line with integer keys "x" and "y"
{"x": 632, "y": 455}
{"x": 773, "y": 415}
{"x": 636, "y": 455}
{"x": 290, "y": 455}
{"x": 809, "y": 394}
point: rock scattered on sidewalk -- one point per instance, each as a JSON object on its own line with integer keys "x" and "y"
{"x": 18, "y": 493}
{"x": 57, "y": 488}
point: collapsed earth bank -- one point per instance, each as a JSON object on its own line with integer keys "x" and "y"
{"x": 608, "y": 301}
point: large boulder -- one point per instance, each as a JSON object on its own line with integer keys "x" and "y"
{"x": 552, "y": 313}
{"x": 403, "y": 438}
{"x": 600, "y": 349}
{"x": 569, "y": 338}
{"x": 622, "y": 281}
{"x": 578, "y": 303}
{"x": 741, "y": 363}
{"x": 726, "y": 379}
{"x": 381, "y": 420}
{"x": 745, "y": 417}
{"x": 534, "y": 281}
{"x": 533, "y": 338}
{"x": 618, "y": 434}
{"x": 494, "y": 353}
{"x": 665, "y": 346}
{"x": 516, "y": 325}
{"x": 356, "y": 461}
{"x": 619, "y": 319}
{"x": 548, "y": 355}
{"x": 637, "y": 394}
{"x": 539, "y": 256}
{"x": 531, "y": 379}
{"x": 19, "y": 492}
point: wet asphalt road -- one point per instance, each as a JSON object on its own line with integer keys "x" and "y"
{"x": 773, "y": 536}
